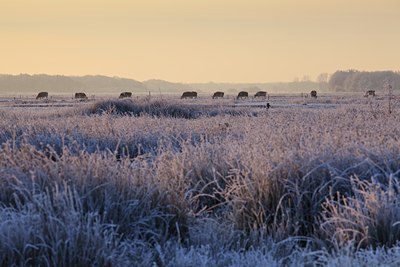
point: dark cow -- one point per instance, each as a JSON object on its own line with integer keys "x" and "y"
{"x": 261, "y": 94}
{"x": 243, "y": 94}
{"x": 189, "y": 95}
{"x": 313, "y": 93}
{"x": 80, "y": 96}
{"x": 125, "y": 94}
{"x": 42, "y": 95}
{"x": 369, "y": 93}
{"x": 218, "y": 95}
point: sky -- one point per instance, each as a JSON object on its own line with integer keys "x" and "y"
{"x": 199, "y": 41}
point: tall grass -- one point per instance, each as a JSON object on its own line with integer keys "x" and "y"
{"x": 285, "y": 187}
{"x": 160, "y": 108}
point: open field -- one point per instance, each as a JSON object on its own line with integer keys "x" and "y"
{"x": 162, "y": 181}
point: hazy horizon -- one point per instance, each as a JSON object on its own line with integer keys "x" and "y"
{"x": 199, "y": 42}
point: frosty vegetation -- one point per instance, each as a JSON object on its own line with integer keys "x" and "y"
{"x": 120, "y": 183}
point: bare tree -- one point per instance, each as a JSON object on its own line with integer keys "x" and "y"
{"x": 306, "y": 78}
{"x": 322, "y": 80}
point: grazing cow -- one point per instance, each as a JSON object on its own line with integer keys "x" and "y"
{"x": 313, "y": 93}
{"x": 243, "y": 94}
{"x": 369, "y": 93}
{"x": 262, "y": 94}
{"x": 42, "y": 95}
{"x": 189, "y": 95}
{"x": 125, "y": 94}
{"x": 218, "y": 95}
{"x": 80, "y": 96}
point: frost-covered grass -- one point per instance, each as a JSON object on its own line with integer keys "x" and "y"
{"x": 292, "y": 187}
{"x": 162, "y": 108}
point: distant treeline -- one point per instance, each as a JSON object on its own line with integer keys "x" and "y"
{"x": 25, "y": 83}
{"x": 355, "y": 81}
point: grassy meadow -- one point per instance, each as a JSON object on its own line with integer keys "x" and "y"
{"x": 170, "y": 182}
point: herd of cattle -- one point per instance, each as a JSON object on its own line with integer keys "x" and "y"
{"x": 185, "y": 95}
{"x": 193, "y": 94}
{"x": 81, "y": 96}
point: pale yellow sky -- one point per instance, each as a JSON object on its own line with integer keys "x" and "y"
{"x": 199, "y": 41}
